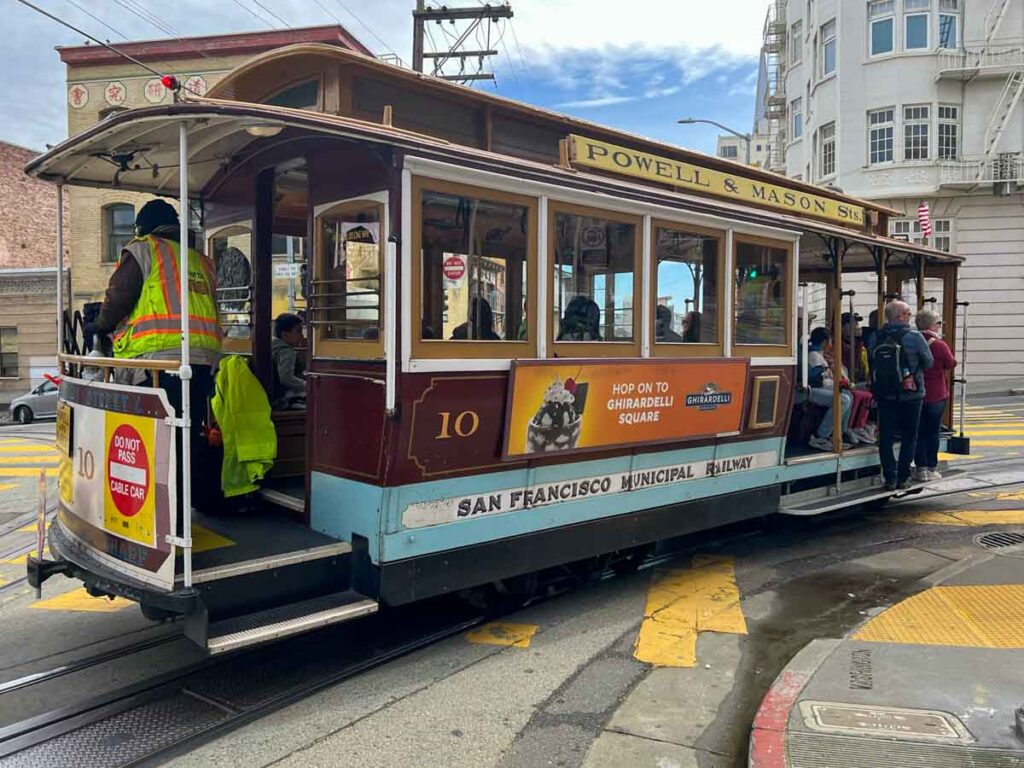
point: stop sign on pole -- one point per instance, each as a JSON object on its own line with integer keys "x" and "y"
{"x": 128, "y": 470}
{"x": 454, "y": 267}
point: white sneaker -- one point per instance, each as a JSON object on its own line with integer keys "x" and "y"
{"x": 865, "y": 436}
{"x": 921, "y": 476}
{"x": 934, "y": 474}
{"x": 852, "y": 438}
{"x": 820, "y": 443}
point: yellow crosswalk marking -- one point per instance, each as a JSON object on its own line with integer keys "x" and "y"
{"x": 505, "y": 633}
{"x": 1001, "y": 495}
{"x": 80, "y": 600}
{"x": 985, "y": 443}
{"x": 7, "y": 486}
{"x": 22, "y": 559}
{"x": 47, "y": 461}
{"x": 981, "y": 616}
{"x": 967, "y": 517}
{"x": 971, "y": 432}
{"x": 995, "y": 424}
{"x": 26, "y": 471}
{"x": 27, "y": 449}
{"x": 959, "y": 457}
{"x": 682, "y": 603}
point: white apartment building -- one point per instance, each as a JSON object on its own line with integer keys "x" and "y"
{"x": 735, "y": 148}
{"x": 903, "y": 101}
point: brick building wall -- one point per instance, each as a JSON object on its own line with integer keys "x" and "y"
{"x": 28, "y": 210}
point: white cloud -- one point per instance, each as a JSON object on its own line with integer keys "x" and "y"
{"x": 600, "y": 101}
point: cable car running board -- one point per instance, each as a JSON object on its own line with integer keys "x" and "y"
{"x": 808, "y": 504}
{"x": 280, "y": 622}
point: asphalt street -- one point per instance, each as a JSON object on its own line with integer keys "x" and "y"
{"x": 569, "y": 681}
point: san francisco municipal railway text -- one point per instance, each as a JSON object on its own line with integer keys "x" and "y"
{"x": 426, "y": 513}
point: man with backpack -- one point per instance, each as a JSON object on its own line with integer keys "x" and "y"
{"x": 899, "y": 358}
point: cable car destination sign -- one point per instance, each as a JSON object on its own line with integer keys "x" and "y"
{"x": 663, "y": 170}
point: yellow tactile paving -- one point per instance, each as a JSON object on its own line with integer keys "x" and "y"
{"x": 80, "y": 600}
{"x": 984, "y": 616}
{"x": 505, "y": 633}
{"x": 682, "y": 603}
{"x": 967, "y": 517}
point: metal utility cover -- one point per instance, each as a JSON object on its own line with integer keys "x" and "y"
{"x": 892, "y": 722}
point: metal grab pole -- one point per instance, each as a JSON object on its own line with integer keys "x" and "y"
{"x": 963, "y": 368}
{"x": 60, "y": 276}
{"x": 805, "y": 322}
{"x": 185, "y": 371}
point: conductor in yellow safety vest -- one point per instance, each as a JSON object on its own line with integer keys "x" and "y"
{"x": 141, "y": 317}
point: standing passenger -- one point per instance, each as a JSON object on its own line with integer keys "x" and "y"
{"x": 899, "y": 358}
{"x": 936, "y": 395}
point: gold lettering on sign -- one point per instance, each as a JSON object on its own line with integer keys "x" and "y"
{"x": 631, "y": 162}
{"x": 465, "y": 424}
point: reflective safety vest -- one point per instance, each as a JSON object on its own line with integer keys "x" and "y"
{"x": 155, "y": 323}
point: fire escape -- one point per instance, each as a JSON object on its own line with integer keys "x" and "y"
{"x": 775, "y": 105}
{"x": 986, "y": 60}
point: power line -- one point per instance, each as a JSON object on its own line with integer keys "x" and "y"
{"x": 253, "y": 13}
{"x": 274, "y": 15}
{"x": 366, "y": 27}
{"x": 105, "y": 44}
{"x": 132, "y": 6}
{"x": 515, "y": 39}
{"x": 93, "y": 16}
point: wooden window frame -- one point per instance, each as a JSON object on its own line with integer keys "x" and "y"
{"x": 349, "y": 349}
{"x": 684, "y": 349}
{"x": 759, "y": 381}
{"x": 439, "y": 349}
{"x": 294, "y": 83}
{"x": 231, "y": 345}
{"x": 593, "y": 349}
{"x": 763, "y": 350}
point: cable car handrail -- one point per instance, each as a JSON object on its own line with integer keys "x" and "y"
{"x": 117, "y": 362}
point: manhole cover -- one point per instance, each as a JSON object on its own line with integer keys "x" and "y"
{"x": 999, "y": 539}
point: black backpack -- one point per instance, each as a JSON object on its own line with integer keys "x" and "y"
{"x": 887, "y": 366}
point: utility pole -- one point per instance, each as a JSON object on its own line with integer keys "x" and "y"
{"x": 476, "y": 15}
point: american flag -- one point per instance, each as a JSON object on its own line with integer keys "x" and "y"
{"x": 924, "y": 219}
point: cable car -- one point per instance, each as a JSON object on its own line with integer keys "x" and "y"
{"x": 532, "y": 341}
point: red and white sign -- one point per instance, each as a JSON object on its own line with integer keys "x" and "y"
{"x": 454, "y": 267}
{"x": 128, "y": 470}
{"x": 78, "y": 96}
{"x": 115, "y": 94}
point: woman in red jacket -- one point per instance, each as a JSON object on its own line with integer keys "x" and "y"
{"x": 936, "y": 395}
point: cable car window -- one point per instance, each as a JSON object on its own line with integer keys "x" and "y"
{"x": 761, "y": 298}
{"x": 302, "y": 96}
{"x": 474, "y": 254}
{"x": 231, "y": 249}
{"x": 348, "y": 283}
{"x": 594, "y": 290}
{"x": 686, "y": 286}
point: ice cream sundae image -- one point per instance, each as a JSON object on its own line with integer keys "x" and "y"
{"x": 556, "y": 425}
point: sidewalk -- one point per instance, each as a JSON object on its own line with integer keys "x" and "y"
{"x": 935, "y": 680}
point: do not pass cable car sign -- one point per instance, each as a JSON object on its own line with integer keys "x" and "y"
{"x": 129, "y": 508}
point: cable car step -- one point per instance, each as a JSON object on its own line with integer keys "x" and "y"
{"x": 285, "y": 620}
{"x": 799, "y": 505}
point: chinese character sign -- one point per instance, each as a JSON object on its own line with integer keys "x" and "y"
{"x": 196, "y": 85}
{"x": 78, "y": 96}
{"x": 154, "y": 91}
{"x": 115, "y": 94}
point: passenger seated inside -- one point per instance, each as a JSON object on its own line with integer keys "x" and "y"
{"x": 820, "y": 379}
{"x": 289, "y": 371}
{"x": 691, "y": 327}
{"x": 480, "y": 323}
{"x": 663, "y": 326}
{"x": 581, "y": 322}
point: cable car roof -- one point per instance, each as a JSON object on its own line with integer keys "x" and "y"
{"x": 137, "y": 150}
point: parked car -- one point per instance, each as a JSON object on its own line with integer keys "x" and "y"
{"x": 40, "y": 403}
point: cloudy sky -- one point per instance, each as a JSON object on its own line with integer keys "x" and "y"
{"x": 638, "y": 65}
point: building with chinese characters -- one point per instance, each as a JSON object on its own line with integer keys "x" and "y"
{"x": 100, "y": 82}
{"x": 28, "y": 277}
{"x": 904, "y": 101}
